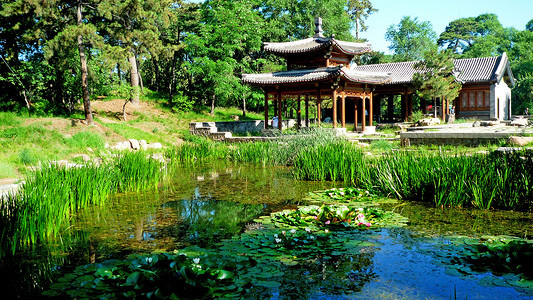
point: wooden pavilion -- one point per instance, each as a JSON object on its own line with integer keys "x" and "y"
{"x": 320, "y": 68}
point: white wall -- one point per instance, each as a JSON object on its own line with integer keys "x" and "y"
{"x": 500, "y": 92}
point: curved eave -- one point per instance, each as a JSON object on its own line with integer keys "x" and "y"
{"x": 291, "y": 77}
{"x": 316, "y": 44}
{"x": 366, "y": 77}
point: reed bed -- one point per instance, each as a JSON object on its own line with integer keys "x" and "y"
{"x": 43, "y": 206}
{"x": 499, "y": 180}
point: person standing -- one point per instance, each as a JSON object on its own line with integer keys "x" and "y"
{"x": 526, "y": 111}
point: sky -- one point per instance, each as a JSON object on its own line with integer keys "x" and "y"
{"x": 511, "y": 13}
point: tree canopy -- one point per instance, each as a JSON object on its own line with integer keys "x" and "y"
{"x": 410, "y": 39}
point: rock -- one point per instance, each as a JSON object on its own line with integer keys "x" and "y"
{"x": 134, "y": 144}
{"x": 489, "y": 123}
{"x": 428, "y": 122}
{"x": 235, "y": 117}
{"x": 476, "y": 124}
{"x": 520, "y": 140}
{"x": 121, "y": 146}
{"x": 154, "y": 146}
{"x": 519, "y": 122}
{"x": 85, "y": 157}
{"x": 143, "y": 144}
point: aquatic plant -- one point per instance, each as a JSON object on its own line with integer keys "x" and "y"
{"x": 44, "y": 204}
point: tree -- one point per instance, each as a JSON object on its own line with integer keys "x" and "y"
{"x": 229, "y": 33}
{"x": 435, "y": 77}
{"x": 59, "y": 25}
{"x": 359, "y": 10}
{"x": 410, "y": 39}
{"x": 292, "y": 20}
{"x": 458, "y": 35}
{"x": 529, "y": 25}
{"x": 131, "y": 28}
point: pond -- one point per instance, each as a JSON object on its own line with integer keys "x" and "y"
{"x": 202, "y": 205}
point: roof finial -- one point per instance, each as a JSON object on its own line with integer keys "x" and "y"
{"x": 318, "y": 28}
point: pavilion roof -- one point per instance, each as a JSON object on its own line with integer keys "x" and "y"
{"x": 470, "y": 70}
{"x": 316, "y": 75}
{"x": 316, "y": 43}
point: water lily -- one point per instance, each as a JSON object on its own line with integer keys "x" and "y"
{"x": 308, "y": 230}
{"x": 293, "y": 231}
{"x": 283, "y": 232}
{"x": 276, "y": 235}
{"x": 326, "y": 231}
{"x": 277, "y": 241}
{"x": 327, "y": 222}
{"x": 196, "y": 260}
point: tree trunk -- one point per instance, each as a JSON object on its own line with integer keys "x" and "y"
{"x": 213, "y": 105}
{"x": 173, "y": 75}
{"x": 244, "y": 105}
{"x": 84, "y": 73}
{"x": 134, "y": 79}
{"x": 141, "y": 84}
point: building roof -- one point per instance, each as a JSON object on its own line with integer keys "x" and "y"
{"x": 316, "y": 43}
{"x": 316, "y": 75}
{"x": 471, "y": 70}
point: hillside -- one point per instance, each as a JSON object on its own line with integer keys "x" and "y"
{"x": 26, "y": 141}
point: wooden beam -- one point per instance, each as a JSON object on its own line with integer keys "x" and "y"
{"x": 299, "y": 114}
{"x": 279, "y": 110}
{"x": 363, "y": 122}
{"x": 266, "y": 109}
{"x": 371, "y": 110}
{"x": 355, "y": 115}
{"x": 306, "y": 110}
{"x": 319, "y": 106}
{"x": 343, "y": 113}
{"x": 334, "y": 108}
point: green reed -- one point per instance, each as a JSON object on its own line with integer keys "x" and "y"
{"x": 44, "y": 204}
{"x": 499, "y": 180}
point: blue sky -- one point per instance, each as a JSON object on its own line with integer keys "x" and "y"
{"x": 511, "y": 13}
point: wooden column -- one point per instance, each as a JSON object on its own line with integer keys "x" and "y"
{"x": 334, "y": 108}
{"x": 266, "y": 109}
{"x": 409, "y": 105}
{"x": 355, "y": 115}
{"x": 299, "y": 114}
{"x": 306, "y": 110}
{"x": 279, "y": 111}
{"x": 343, "y": 113}
{"x": 319, "y": 106}
{"x": 390, "y": 108}
{"x": 371, "y": 110}
{"x": 443, "y": 110}
{"x": 404, "y": 106}
{"x": 363, "y": 122}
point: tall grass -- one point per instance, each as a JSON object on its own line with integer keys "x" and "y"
{"x": 498, "y": 180}
{"x": 42, "y": 208}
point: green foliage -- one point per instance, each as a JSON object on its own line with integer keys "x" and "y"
{"x": 410, "y": 39}
{"x": 9, "y": 119}
{"x": 435, "y": 76}
{"x": 42, "y": 208}
{"x": 84, "y": 139}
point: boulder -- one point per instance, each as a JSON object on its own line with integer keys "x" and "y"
{"x": 428, "y": 122}
{"x": 520, "y": 140}
{"x": 154, "y": 146}
{"x": 489, "y": 123}
{"x": 134, "y": 144}
{"x": 519, "y": 122}
{"x": 143, "y": 144}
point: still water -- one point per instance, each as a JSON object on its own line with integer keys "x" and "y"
{"x": 204, "y": 204}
